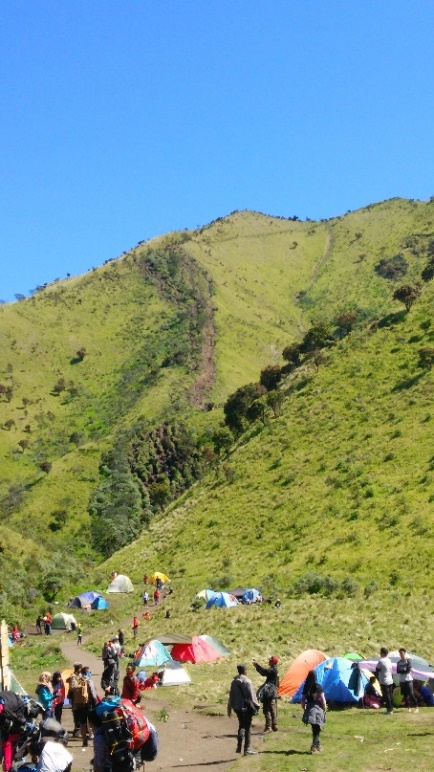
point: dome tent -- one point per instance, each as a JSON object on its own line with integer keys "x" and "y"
{"x": 298, "y": 671}
{"x": 62, "y": 621}
{"x": 151, "y": 654}
{"x": 121, "y": 583}
{"x": 198, "y": 650}
{"x": 86, "y": 599}
{"x": 222, "y": 600}
{"x": 342, "y": 680}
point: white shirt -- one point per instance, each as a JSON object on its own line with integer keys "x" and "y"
{"x": 54, "y": 758}
{"x": 384, "y": 671}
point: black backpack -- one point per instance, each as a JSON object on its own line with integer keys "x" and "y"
{"x": 119, "y": 740}
{"x": 13, "y": 715}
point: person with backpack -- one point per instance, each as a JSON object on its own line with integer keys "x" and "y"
{"x": 242, "y": 699}
{"x": 267, "y": 693}
{"x": 44, "y": 693}
{"x": 82, "y": 695}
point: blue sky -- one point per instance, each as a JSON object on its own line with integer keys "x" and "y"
{"x": 123, "y": 120}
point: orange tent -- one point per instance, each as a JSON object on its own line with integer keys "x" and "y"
{"x": 297, "y": 672}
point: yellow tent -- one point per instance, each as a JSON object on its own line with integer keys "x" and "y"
{"x": 159, "y": 575}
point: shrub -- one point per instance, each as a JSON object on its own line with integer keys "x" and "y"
{"x": 392, "y": 268}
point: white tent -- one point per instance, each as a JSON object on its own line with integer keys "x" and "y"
{"x": 62, "y": 621}
{"x": 121, "y": 583}
{"x": 173, "y": 674}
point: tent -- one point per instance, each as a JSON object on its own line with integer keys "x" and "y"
{"x": 238, "y": 592}
{"x": 152, "y": 654}
{"x": 173, "y": 674}
{"x": 298, "y": 671}
{"x": 206, "y": 594}
{"x": 197, "y": 651}
{"x": 159, "y": 575}
{"x": 419, "y": 671}
{"x": 251, "y": 596}
{"x": 222, "y": 600}
{"x": 353, "y": 656}
{"x": 86, "y": 599}
{"x": 62, "y": 621}
{"x": 121, "y": 583}
{"x": 216, "y": 644}
{"x": 342, "y": 680}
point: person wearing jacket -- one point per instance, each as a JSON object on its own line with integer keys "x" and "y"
{"x": 44, "y": 693}
{"x": 403, "y": 668}
{"x": 269, "y": 692}
{"x": 58, "y": 695}
{"x": 242, "y": 700}
{"x": 130, "y": 687}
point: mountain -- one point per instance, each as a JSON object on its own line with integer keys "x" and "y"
{"x": 111, "y": 380}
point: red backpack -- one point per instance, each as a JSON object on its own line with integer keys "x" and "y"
{"x": 137, "y": 723}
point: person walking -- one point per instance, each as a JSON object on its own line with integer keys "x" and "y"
{"x": 268, "y": 692}
{"x": 403, "y": 668}
{"x": 242, "y": 700}
{"x": 314, "y": 707}
{"x": 135, "y": 627}
{"x": 383, "y": 672}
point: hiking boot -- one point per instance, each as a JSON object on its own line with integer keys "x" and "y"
{"x": 267, "y": 729}
{"x": 314, "y": 749}
{"x": 248, "y": 752}
{"x": 275, "y": 728}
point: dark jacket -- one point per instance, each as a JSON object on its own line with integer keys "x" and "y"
{"x": 241, "y": 690}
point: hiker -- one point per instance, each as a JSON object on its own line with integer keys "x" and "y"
{"x": 58, "y": 695}
{"x": 403, "y": 668}
{"x": 110, "y": 677}
{"x": 242, "y": 699}
{"x": 146, "y": 616}
{"x": 371, "y": 697}
{"x": 151, "y": 682}
{"x": 145, "y": 578}
{"x": 167, "y": 614}
{"x": 130, "y": 687}
{"x": 72, "y": 682}
{"x": 44, "y": 692}
{"x": 39, "y": 623}
{"x": 16, "y": 635}
{"x": 79, "y": 634}
{"x": 50, "y": 755}
{"x": 47, "y": 623}
{"x": 383, "y": 672}
{"x": 157, "y": 597}
{"x": 145, "y": 597}
{"x": 424, "y": 695}
{"x": 314, "y": 707}
{"x": 135, "y": 627}
{"x": 268, "y": 692}
{"x": 121, "y": 639}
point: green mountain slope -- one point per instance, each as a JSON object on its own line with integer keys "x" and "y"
{"x": 177, "y": 324}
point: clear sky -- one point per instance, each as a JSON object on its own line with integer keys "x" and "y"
{"x": 121, "y": 120}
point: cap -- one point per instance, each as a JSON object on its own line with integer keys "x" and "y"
{"x": 274, "y": 660}
{"x": 77, "y": 664}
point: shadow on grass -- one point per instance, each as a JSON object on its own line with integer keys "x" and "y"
{"x": 420, "y": 734}
{"x": 407, "y": 384}
{"x": 202, "y": 764}
{"x": 390, "y": 319}
{"x": 291, "y": 752}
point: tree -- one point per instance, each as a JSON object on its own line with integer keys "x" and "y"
{"x": 275, "y": 401}
{"x": 23, "y": 444}
{"x": 222, "y": 439}
{"x": 346, "y": 321}
{"x": 392, "y": 268}
{"x": 270, "y": 377}
{"x": 45, "y": 466}
{"x": 59, "y": 386}
{"x": 317, "y": 337}
{"x": 81, "y": 353}
{"x": 407, "y": 294}
{"x": 237, "y": 405}
{"x": 426, "y": 357}
{"x": 428, "y": 272}
{"x": 18, "y": 296}
{"x": 292, "y": 354}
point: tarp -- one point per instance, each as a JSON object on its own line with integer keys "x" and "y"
{"x": 151, "y": 654}
{"x": 298, "y": 671}
{"x": 173, "y": 674}
{"x": 169, "y": 639}
{"x": 418, "y": 673}
{"x": 197, "y": 651}
{"x": 86, "y": 599}
{"x": 216, "y": 644}
{"x": 121, "y": 583}
{"x": 207, "y": 594}
{"x": 251, "y": 596}
{"x": 341, "y": 680}
{"x": 222, "y": 600}
{"x": 62, "y": 621}
{"x": 238, "y": 592}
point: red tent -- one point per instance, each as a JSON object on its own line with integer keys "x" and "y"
{"x": 196, "y": 651}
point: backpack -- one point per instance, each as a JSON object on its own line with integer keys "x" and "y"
{"x": 78, "y": 691}
{"x": 137, "y": 723}
{"x": 149, "y": 751}
{"x": 13, "y": 712}
{"x": 266, "y": 692}
{"x": 119, "y": 740}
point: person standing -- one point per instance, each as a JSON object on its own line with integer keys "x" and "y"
{"x": 44, "y": 692}
{"x": 72, "y": 682}
{"x": 269, "y": 692}
{"x": 157, "y": 594}
{"x": 145, "y": 598}
{"x": 131, "y": 686}
{"x": 314, "y": 706}
{"x": 39, "y": 623}
{"x": 383, "y": 672}
{"x": 242, "y": 700}
{"x": 58, "y": 695}
{"x": 79, "y": 634}
{"x": 403, "y": 668}
{"x": 135, "y": 627}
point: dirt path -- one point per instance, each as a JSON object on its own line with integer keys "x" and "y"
{"x": 187, "y": 740}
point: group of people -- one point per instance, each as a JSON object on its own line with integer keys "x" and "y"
{"x": 411, "y": 695}
{"x": 43, "y": 624}
{"x": 244, "y": 701}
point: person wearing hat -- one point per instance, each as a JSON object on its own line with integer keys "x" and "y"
{"x": 268, "y": 692}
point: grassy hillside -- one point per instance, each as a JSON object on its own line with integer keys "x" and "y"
{"x": 177, "y": 324}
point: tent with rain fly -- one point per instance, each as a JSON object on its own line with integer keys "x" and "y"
{"x": 151, "y": 654}
{"x": 342, "y": 681}
{"x": 158, "y": 575}
{"x": 251, "y": 596}
{"x": 196, "y": 651}
{"x": 216, "y": 644}
{"x": 89, "y": 599}
{"x": 121, "y": 583}
{"x": 173, "y": 674}
{"x": 222, "y": 600}
{"x": 62, "y": 621}
{"x": 206, "y": 594}
{"x": 298, "y": 671}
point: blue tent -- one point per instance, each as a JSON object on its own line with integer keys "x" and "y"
{"x": 341, "y": 680}
{"x": 222, "y": 600}
{"x": 91, "y": 598}
{"x": 151, "y": 654}
{"x": 251, "y": 596}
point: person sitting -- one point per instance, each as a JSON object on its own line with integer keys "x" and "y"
{"x": 371, "y": 697}
{"x": 424, "y": 695}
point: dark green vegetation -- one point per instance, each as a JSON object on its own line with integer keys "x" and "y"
{"x": 112, "y": 389}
